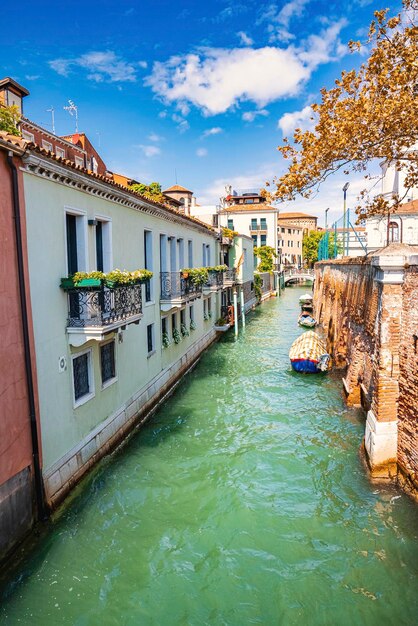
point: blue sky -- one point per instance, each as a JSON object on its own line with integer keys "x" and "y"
{"x": 204, "y": 90}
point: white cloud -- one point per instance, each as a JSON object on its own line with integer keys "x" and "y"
{"x": 279, "y": 20}
{"x": 245, "y": 39}
{"x": 212, "y": 131}
{"x": 149, "y": 151}
{"x": 101, "y": 66}
{"x": 162, "y": 114}
{"x": 182, "y": 124}
{"x": 201, "y": 152}
{"x": 143, "y": 64}
{"x": 249, "y": 116}
{"x": 217, "y": 79}
{"x": 298, "y": 119}
{"x": 155, "y": 137}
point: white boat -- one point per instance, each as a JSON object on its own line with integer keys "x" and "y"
{"x": 307, "y": 298}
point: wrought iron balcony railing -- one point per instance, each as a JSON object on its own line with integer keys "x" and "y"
{"x": 215, "y": 281}
{"x": 174, "y": 286}
{"x": 104, "y": 307}
{"x": 229, "y": 277}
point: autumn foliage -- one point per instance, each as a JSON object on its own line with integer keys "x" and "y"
{"x": 371, "y": 113}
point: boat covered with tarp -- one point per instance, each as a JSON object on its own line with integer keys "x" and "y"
{"x": 308, "y": 354}
{"x": 307, "y": 298}
{"x": 305, "y": 319}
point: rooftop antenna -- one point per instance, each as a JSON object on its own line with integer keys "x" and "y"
{"x": 52, "y": 110}
{"x": 73, "y": 110}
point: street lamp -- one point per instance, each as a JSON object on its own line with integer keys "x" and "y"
{"x": 347, "y": 184}
{"x": 326, "y": 218}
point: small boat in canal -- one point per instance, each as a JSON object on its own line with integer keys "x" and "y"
{"x": 306, "y": 299}
{"x": 305, "y": 319}
{"x": 308, "y": 354}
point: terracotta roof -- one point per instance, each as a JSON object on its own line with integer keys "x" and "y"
{"x": 286, "y": 216}
{"x": 18, "y": 142}
{"x": 251, "y": 208}
{"x": 290, "y": 225}
{"x": 9, "y": 81}
{"x": 409, "y": 208}
{"x": 177, "y": 188}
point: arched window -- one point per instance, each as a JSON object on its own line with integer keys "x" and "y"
{"x": 393, "y": 232}
{"x": 182, "y": 200}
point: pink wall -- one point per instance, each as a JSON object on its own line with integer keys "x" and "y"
{"x": 15, "y": 440}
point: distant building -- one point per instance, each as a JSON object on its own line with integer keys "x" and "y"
{"x": 248, "y": 213}
{"x": 306, "y": 221}
{"x": 403, "y": 227}
{"x": 183, "y": 197}
{"x": 290, "y": 237}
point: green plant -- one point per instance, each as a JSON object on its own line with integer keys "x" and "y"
{"x": 198, "y": 275}
{"x": 166, "y": 340}
{"x": 218, "y": 268}
{"x": 9, "y": 119}
{"x": 176, "y": 336}
{"x": 128, "y": 278}
{"x": 210, "y": 315}
{"x": 258, "y": 282}
{"x": 228, "y": 232}
{"x": 221, "y": 321}
{"x": 184, "y": 331}
{"x": 79, "y": 276}
{"x": 206, "y": 317}
{"x": 192, "y": 325}
{"x": 266, "y": 254}
{"x": 151, "y": 191}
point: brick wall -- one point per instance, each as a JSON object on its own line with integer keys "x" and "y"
{"x": 408, "y": 380}
{"x": 371, "y": 327}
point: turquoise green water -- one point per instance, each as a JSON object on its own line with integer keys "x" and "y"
{"x": 243, "y": 502}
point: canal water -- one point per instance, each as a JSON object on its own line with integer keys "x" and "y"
{"x": 243, "y": 501}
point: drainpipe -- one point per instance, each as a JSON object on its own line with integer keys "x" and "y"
{"x": 242, "y": 308}
{"x": 39, "y": 490}
{"x": 235, "y": 312}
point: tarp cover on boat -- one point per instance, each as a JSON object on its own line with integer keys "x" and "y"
{"x": 307, "y": 350}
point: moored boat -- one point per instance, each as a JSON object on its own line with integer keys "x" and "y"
{"x": 306, "y": 299}
{"x": 305, "y": 319}
{"x": 308, "y": 354}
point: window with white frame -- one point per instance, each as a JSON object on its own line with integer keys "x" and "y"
{"x": 191, "y": 313}
{"x": 104, "y": 254}
{"x": 150, "y": 339}
{"x": 28, "y": 136}
{"x": 190, "y": 253}
{"x": 149, "y": 264}
{"x": 60, "y": 152}
{"x": 76, "y": 239}
{"x": 79, "y": 161}
{"x": 46, "y": 145}
{"x": 108, "y": 362}
{"x": 83, "y": 383}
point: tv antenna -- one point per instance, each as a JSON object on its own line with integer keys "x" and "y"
{"x": 52, "y": 111}
{"x": 73, "y": 110}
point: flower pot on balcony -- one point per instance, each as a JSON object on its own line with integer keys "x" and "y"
{"x": 223, "y": 328}
{"x": 89, "y": 282}
{"x": 111, "y": 284}
{"x": 67, "y": 283}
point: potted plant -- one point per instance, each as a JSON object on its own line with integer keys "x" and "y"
{"x": 166, "y": 340}
{"x": 176, "y": 336}
{"x": 184, "y": 331}
{"x": 192, "y": 325}
{"x": 221, "y": 325}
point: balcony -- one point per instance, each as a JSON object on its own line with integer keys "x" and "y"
{"x": 93, "y": 312}
{"x": 229, "y": 277}
{"x": 256, "y": 229}
{"x": 215, "y": 281}
{"x": 176, "y": 290}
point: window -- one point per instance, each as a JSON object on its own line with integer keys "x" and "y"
{"x": 204, "y": 262}
{"x": 60, "y": 152}
{"x": 208, "y": 259}
{"x": 76, "y": 242}
{"x": 46, "y": 145}
{"x": 209, "y": 306}
{"x": 248, "y": 201}
{"x": 215, "y": 220}
{"x": 289, "y": 231}
{"x": 83, "y": 386}
{"x": 205, "y": 308}
{"x": 148, "y": 261}
{"x": 150, "y": 338}
{"x": 254, "y": 238}
{"x": 283, "y": 230}
{"x": 190, "y": 253}
{"x": 79, "y": 161}
{"x": 393, "y": 232}
{"x": 164, "y": 326}
{"x": 28, "y": 136}
{"x": 107, "y": 361}
{"x": 191, "y": 312}
{"x": 253, "y": 223}
{"x": 103, "y": 246}
{"x": 180, "y": 246}
{"x": 263, "y": 223}
{"x": 173, "y": 323}
{"x": 263, "y": 240}
{"x": 231, "y": 224}
{"x": 182, "y": 317}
